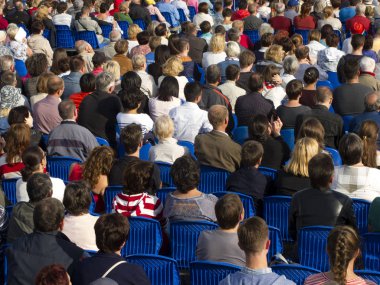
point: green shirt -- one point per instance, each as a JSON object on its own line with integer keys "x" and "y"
{"x": 119, "y": 16}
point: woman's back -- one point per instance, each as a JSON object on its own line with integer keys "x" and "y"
{"x": 288, "y": 183}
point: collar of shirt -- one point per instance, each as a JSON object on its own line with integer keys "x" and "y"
{"x": 192, "y": 105}
{"x": 221, "y": 132}
{"x": 232, "y": 58}
{"x": 69, "y": 120}
{"x": 256, "y": 271}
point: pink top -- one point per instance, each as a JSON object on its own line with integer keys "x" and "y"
{"x": 193, "y": 3}
{"x": 321, "y": 279}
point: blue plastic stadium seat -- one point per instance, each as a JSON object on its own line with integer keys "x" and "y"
{"x": 210, "y": 272}
{"x": 371, "y": 251}
{"x": 182, "y": 16}
{"x": 102, "y": 141}
{"x": 64, "y": 37}
{"x": 333, "y": 78}
{"x": 144, "y": 151}
{"x": 240, "y": 134}
{"x": 369, "y": 275}
{"x": 235, "y": 121}
{"x": 145, "y": 237}
{"x": 159, "y": 269}
{"x": 168, "y": 18}
{"x": 253, "y": 35}
{"x": 154, "y": 18}
{"x": 90, "y": 252}
{"x": 288, "y": 136}
{"x": 9, "y": 210}
{"x": 361, "y": 209}
{"x": 325, "y": 83}
{"x": 192, "y": 12}
{"x": 304, "y": 34}
{"x": 90, "y": 37}
{"x": 106, "y": 30}
{"x": 346, "y": 122}
{"x": 166, "y": 178}
{"x": 202, "y": 74}
{"x": 276, "y": 212}
{"x": 272, "y": 173}
{"x": 275, "y": 242}
{"x": 335, "y": 156}
{"x": 213, "y": 179}
{"x": 189, "y": 145}
{"x": 59, "y": 166}
{"x": 163, "y": 193}
{"x": 248, "y": 204}
{"x": 9, "y": 188}
{"x": 140, "y": 23}
{"x": 296, "y": 273}
{"x": 124, "y": 25}
{"x": 20, "y": 68}
{"x": 312, "y": 242}
{"x": 46, "y": 34}
{"x": 339, "y": 34}
{"x": 110, "y": 193}
{"x": 183, "y": 240}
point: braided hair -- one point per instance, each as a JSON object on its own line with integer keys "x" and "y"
{"x": 342, "y": 245}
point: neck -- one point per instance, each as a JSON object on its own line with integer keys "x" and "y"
{"x": 233, "y": 230}
{"x": 359, "y": 164}
{"x": 358, "y": 51}
{"x": 327, "y": 105}
{"x": 350, "y": 270}
{"x": 354, "y": 80}
{"x": 136, "y": 153}
{"x": 256, "y": 261}
{"x": 303, "y": 61}
{"x": 220, "y": 129}
{"x": 245, "y": 69}
{"x": 293, "y": 103}
{"x": 134, "y": 111}
{"x": 310, "y": 86}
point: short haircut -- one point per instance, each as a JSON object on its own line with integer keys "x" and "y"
{"x": 77, "y": 198}
{"x": 143, "y": 38}
{"x": 218, "y": 6}
{"x": 321, "y": 170}
{"x": 220, "y": 30}
{"x": 37, "y": 64}
{"x": 161, "y": 30}
{"x": 185, "y": 173}
{"x": 314, "y": 35}
{"x": 111, "y": 231}
{"x": 290, "y": 64}
{"x": 163, "y": 127}
{"x": 52, "y": 274}
{"x": 368, "y": 44}
{"x": 351, "y": 149}
{"x": 266, "y": 40}
{"x": 66, "y": 109}
{"x": 121, "y": 46}
{"x": 233, "y": 34}
{"x": 256, "y": 82}
{"x": 203, "y": 8}
{"x": 227, "y": 12}
{"x": 138, "y": 177}
{"x": 213, "y": 73}
{"x": 302, "y": 52}
{"x": 104, "y": 81}
{"x": 131, "y": 136}
{"x": 217, "y": 114}
{"x": 367, "y": 64}
{"x": 133, "y": 30}
{"x": 99, "y": 58}
{"x": 243, "y": 4}
{"x": 232, "y": 49}
{"x": 332, "y": 40}
{"x": 61, "y": 7}
{"x": 252, "y": 8}
{"x": 54, "y": 84}
{"x": 154, "y": 42}
{"x": 48, "y": 215}
{"x": 246, "y": 58}
{"x": 192, "y": 91}
{"x": 39, "y": 187}
{"x": 253, "y": 234}
{"x": 232, "y": 72}
{"x": 8, "y": 78}
{"x": 251, "y": 153}
{"x": 87, "y": 82}
{"x": 37, "y": 27}
{"x": 294, "y": 89}
{"x": 351, "y": 68}
{"x": 228, "y": 210}
{"x": 324, "y": 94}
{"x": 131, "y": 99}
{"x": 205, "y": 27}
{"x": 280, "y": 7}
{"x": 357, "y": 41}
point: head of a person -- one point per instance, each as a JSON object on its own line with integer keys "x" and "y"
{"x": 77, "y": 64}
{"x": 139, "y": 62}
{"x": 294, "y": 89}
{"x": 172, "y": 67}
{"x": 351, "y": 68}
{"x": 163, "y": 127}
{"x": 105, "y": 82}
{"x": 305, "y": 10}
{"x": 168, "y": 89}
{"x": 217, "y": 43}
{"x": 185, "y": 172}
{"x": 314, "y": 35}
{"x": 265, "y": 28}
{"x": 368, "y": 43}
{"x": 138, "y": 177}
{"x": 321, "y": 171}
{"x": 42, "y": 82}
{"x": 115, "y": 35}
{"x": 143, "y": 38}
{"x": 304, "y": 150}
{"x": 99, "y": 59}
{"x": 193, "y": 91}
{"x": 213, "y": 74}
{"x": 232, "y": 72}
{"x": 104, "y": 7}
{"x": 328, "y": 12}
{"x": 121, "y": 47}
{"x": 280, "y": 8}
{"x": 372, "y": 102}
{"x": 161, "y": 30}
{"x": 67, "y": 110}
{"x": 98, "y": 163}
{"x": 253, "y": 235}
{"x": 86, "y": 10}
{"x": 55, "y": 85}
{"x": 324, "y": 95}
{"x": 48, "y": 215}
{"x": 227, "y": 13}
{"x": 290, "y": 65}
{"x": 269, "y": 71}
{"x": 239, "y": 25}
{"x": 251, "y": 154}
{"x": 203, "y": 8}
{"x": 259, "y": 128}
{"x": 131, "y": 100}
{"x": 232, "y": 49}
{"x": 351, "y": 149}
{"x": 34, "y": 159}
{"x": 87, "y": 82}
{"x": 113, "y": 67}
{"x": 367, "y": 64}
{"x": 302, "y": 52}
{"x": 332, "y": 40}
{"x": 297, "y": 40}
{"x": 274, "y": 53}
{"x": 12, "y": 31}
{"x": 218, "y": 116}
{"x": 360, "y": 9}
{"x": 38, "y": 187}
{"x": 246, "y": 59}
{"x": 357, "y": 41}
{"x": 336, "y": 4}
{"x": 252, "y": 8}
{"x": 61, "y": 7}
{"x": 130, "y": 81}
{"x": 17, "y": 140}
{"x": 233, "y": 35}
{"x": 162, "y": 54}
{"x": 256, "y": 82}
{"x": 3, "y": 37}
{"x": 368, "y": 132}
{"x": 205, "y": 27}
{"x": 131, "y": 137}
{"x": 36, "y": 64}
{"x": 229, "y": 211}
{"x": 20, "y": 115}
{"x": 133, "y": 30}
{"x": 77, "y": 198}
{"x": 326, "y": 30}
{"x": 6, "y": 63}
{"x": 37, "y": 27}
{"x": 53, "y": 274}
{"x": 312, "y": 128}
{"x": 111, "y": 232}
{"x": 266, "y": 40}
{"x": 343, "y": 245}
{"x": 8, "y": 78}
{"x": 154, "y": 42}
{"x": 311, "y": 75}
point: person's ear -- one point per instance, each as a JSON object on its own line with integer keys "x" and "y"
{"x": 60, "y": 227}
{"x": 267, "y": 244}
{"x": 241, "y": 218}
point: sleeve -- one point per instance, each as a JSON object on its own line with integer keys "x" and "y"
{"x": 293, "y": 212}
{"x": 98, "y": 29}
{"x": 199, "y": 252}
{"x": 176, "y": 14}
{"x": 206, "y": 126}
{"x": 91, "y": 143}
{"x": 140, "y": 277}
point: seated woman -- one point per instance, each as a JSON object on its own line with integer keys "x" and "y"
{"x": 273, "y": 55}
{"x": 305, "y": 21}
{"x": 272, "y": 85}
{"x": 187, "y": 203}
{"x": 309, "y": 92}
{"x": 295, "y": 175}
{"x": 290, "y": 68}
{"x": 167, "y": 150}
{"x": 174, "y": 67}
{"x": 79, "y": 224}
{"x": 105, "y": 17}
{"x": 123, "y": 15}
{"x": 19, "y": 47}
{"x": 276, "y": 151}
{"x": 216, "y": 53}
{"x": 95, "y": 171}
{"x": 312, "y": 128}
{"x": 368, "y": 132}
{"x": 34, "y": 159}
{"x": 343, "y": 248}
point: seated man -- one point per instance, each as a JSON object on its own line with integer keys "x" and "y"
{"x": 229, "y": 212}
{"x": 111, "y": 233}
{"x": 21, "y": 223}
{"x": 246, "y": 60}
{"x": 46, "y": 245}
{"x": 367, "y": 76}
{"x": 216, "y": 148}
{"x": 85, "y": 23}
{"x": 306, "y": 205}
{"x": 253, "y": 235}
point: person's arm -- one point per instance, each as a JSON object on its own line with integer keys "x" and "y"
{"x": 98, "y": 30}
{"x": 176, "y": 14}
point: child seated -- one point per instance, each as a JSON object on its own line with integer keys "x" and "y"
{"x": 206, "y": 31}
{"x": 227, "y": 14}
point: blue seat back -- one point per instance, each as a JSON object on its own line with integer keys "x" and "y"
{"x": 46, "y": 34}
{"x": 252, "y": 35}
{"x": 165, "y": 176}
{"x": 247, "y": 201}
{"x": 124, "y": 25}
{"x": 145, "y": 237}
{"x": 182, "y": 16}
{"x": 88, "y": 36}
{"x": 20, "y": 68}
{"x": 140, "y": 23}
{"x": 59, "y": 166}
{"x": 335, "y": 156}
{"x": 189, "y": 145}
{"x": 163, "y": 193}
{"x": 288, "y": 136}
{"x": 371, "y": 251}
{"x": 102, "y": 142}
{"x": 312, "y": 242}
{"x": 339, "y": 34}
{"x": 333, "y": 78}
{"x": 369, "y": 275}
{"x": 213, "y": 179}
{"x": 210, "y": 272}
{"x": 154, "y": 18}
{"x": 296, "y": 273}
{"x": 304, "y": 34}
{"x": 64, "y": 37}
{"x": 159, "y": 269}
{"x": 240, "y": 134}
{"x": 192, "y": 12}
{"x": 168, "y": 18}
{"x": 346, "y": 122}
{"x": 270, "y": 172}
{"x": 325, "y": 83}
{"x": 184, "y": 239}
{"x": 90, "y": 252}
{"x": 276, "y": 213}
{"x": 361, "y": 209}
{"x": 110, "y": 193}
{"x": 202, "y": 74}
{"x": 275, "y": 242}
{"x": 235, "y": 122}
{"x": 144, "y": 151}
{"x": 106, "y": 30}
{"x": 9, "y": 210}
{"x": 9, "y": 188}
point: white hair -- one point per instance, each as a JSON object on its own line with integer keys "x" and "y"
{"x": 265, "y": 28}
{"x": 360, "y": 9}
{"x": 3, "y": 36}
{"x": 232, "y": 49}
{"x": 280, "y": 7}
{"x": 367, "y": 64}
{"x": 290, "y": 64}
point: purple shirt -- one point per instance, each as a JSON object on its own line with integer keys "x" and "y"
{"x": 46, "y": 116}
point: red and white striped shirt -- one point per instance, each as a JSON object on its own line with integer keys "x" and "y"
{"x": 321, "y": 279}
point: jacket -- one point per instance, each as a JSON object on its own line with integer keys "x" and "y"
{"x": 137, "y": 11}
{"x": 197, "y": 47}
{"x": 370, "y": 81}
{"x": 38, "y": 44}
{"x": 124, "y": 62}
{"x": 21, "y": 222}
{"x": 71, "y": 84}
{"x": 247, "y": 106}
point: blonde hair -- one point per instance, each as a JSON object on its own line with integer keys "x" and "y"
{"x": 12, "y": 31}
{"x": 112, "y": 67}
{"x": 238, "y": 24}
{"x": 35, "y": 3}
{"x": 138, "y": 61}
{"x": 172, "y": 67}
{"x": 42, "y": 13}
{"x": 133, "y": 30}
{"x": 123, "y": 7}
{"x": 328, "y": 11}
{"x": 163, "y": 127}
{"x": 304, "y": 150}
{"x": 274, "y": 53}
{"x": 217, "y": 43}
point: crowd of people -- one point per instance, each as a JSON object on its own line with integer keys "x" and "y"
{"x": 191, "y": 78}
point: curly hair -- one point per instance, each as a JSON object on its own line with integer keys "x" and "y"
{"x": 98, "y": 163}
{"x": 37, "y": 64}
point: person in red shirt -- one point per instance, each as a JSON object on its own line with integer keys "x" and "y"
{"x": 244, "y": 39}
{"x": 242, "y": 12}
{"x": 304, "y": 20}
{"x": 3, "y": 21}
{"x": 280, "y": 22}
{"x": 359, "y": 20}
{"x": 87, "y": 86}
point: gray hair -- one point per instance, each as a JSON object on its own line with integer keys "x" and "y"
{"x": 138, "y": 61}
{"x": 81, "y": 46}
{"x": 265, "y": 28}
{"x": 372, "y": 102}
{"x": 115, "y": 35}
{"x": 360, "y": 9}
{"x": 232, "y": 49}
{"x": 290, "y": 64}
{"x": 319, "y": 6}
{"x": 104, "y": 81}
{"x": 367, "y": 64}
{"x": 280, "y": 7}
{"x": 6, "y": 62}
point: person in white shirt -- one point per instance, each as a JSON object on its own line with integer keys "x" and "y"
{"x": 166, "y": 99}
{"x": 34, "y": 159}
{"x": 78, "y": 224}
{"x": 290, "y": 67}
{"x": 133, "y": 30}
{"x": 189, "y": 120}
{"x": 167, "y": 150}
{"x": 173, "y": 67}
{"x": 329, "y": 18}
{"x": 229, "y": 88}
{"x": 314, "y": 45}
{"x": 328, "y": 58}
{"x": 273, "y": 89}
{"x": 180, "y": 4}
{"x": 202, "y": 15}
{"x": 62, "y": 18}
{"x": 216, "y": 53}
{"x": 264, "y": 10}
{"x": 147, "y": 80}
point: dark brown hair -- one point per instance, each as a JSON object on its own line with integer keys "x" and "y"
{"x": 368, "y": 133}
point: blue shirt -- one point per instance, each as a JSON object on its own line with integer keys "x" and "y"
{"x": 149, "y": 58}
{"x": 346, "y": 13}
{"x": 174, "y": 15}
{"x": 71, "y": 82}
{"x": 224, "y": 64}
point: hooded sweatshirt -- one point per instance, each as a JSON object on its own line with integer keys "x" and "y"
{"x": 328, "y": 58}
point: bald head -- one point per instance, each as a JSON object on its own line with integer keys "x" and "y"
{"x": 372, "y": 102}
{"x": 55, "y": 86}
{"x": 218, "y": 116}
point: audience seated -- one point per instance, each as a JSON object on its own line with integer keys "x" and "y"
{"x": 85, "y": 23}
{"x": 330, "y": 19}
{"x": 314, "y": 45}
{"x": 203, "y": 15}
{"x": 87, "y": 86}
{"x": 41, "y": 88}
{"x": 306, "y": 205}
{"x": 290, "y": 65}
{"x": 39, "y": 187}
{"x": 109, "y": 50}
{"x": 280, "y": 22}
{"x": 62, "y": 18}
{"x": 36, "y": 65}
{"x": 329, "y": 57}
{"x": 86, "y": 52}
{"x": 273, "y": 89}
{"x": 273, "y": 55}
{"x": 367, "y": 75}
{"x": 38, "y": 43}
{"x": 368, "y": 132}
{"x": 302, "y": 54}
{"x": 19, "y": 49}
{"x": 233, "y": 52}
{"x": 78, "y": 223}
{"x": 246, "y": 60}
{"x": 305, "y": 21}
{"x": 148, "y": 84}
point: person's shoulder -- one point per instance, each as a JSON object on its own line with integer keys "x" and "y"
{"x": 57, "y": 182}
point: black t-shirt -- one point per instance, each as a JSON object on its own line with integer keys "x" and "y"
{"x": 288, "y": 115}
{"x": 349, "y": 98}
{"x": 288, "y": 184}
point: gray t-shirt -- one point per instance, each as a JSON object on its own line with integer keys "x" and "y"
{"x": 210, "y": 244}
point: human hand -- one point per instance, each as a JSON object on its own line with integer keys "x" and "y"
{"x": 276, "y": 127}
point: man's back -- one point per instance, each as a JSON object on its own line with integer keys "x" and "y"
{"x": 349, "y": 98}
{"x": 255, "y": 277}
{"x": 252, "y": 23}
{"x": 247, "y": 106}
{"x": 197, "y": 47}
{"x": 71, "y": 84}
{"x": 46, "y": 116}
{"x": 211, "y": 96}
